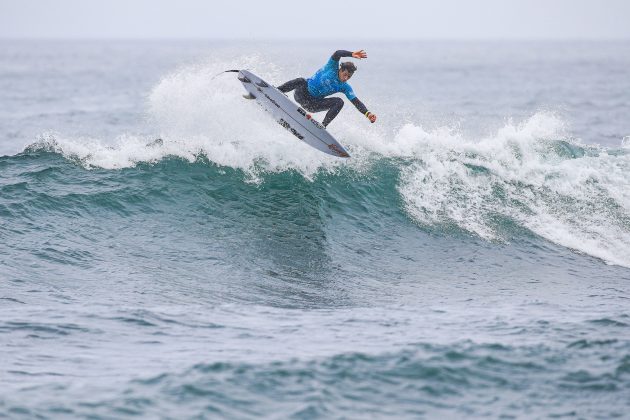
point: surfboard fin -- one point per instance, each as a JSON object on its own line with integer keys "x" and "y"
{"x": 249, "y": 96}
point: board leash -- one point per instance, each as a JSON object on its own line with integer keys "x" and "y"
{"x": 226, "y": 71}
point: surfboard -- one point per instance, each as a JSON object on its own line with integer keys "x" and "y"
{"x": 289, "y": 115}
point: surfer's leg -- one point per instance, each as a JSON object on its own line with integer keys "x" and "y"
{"x": 292, "y": 84}
{"x": 333, "y": 105}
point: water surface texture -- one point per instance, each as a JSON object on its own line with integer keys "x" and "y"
{"x": 167, "y": 250}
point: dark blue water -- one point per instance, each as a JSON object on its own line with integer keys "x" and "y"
{"x": 470, "y": 260}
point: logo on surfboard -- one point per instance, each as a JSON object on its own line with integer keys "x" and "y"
{"x": 286, "y": 125}
{"x": 310, "y": 118}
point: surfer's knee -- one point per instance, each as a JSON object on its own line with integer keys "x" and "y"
{"x": 338, "y": 104}
{"x": 292, "y": 84}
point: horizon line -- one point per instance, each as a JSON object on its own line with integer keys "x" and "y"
{"x": 294, "y": 40}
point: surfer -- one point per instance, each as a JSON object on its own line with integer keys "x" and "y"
{"x": 332, "y": 78}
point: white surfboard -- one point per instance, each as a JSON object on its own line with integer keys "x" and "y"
{"x": 289, "y": 115}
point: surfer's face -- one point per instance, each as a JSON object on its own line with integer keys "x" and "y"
{"x": 344, "y": 75}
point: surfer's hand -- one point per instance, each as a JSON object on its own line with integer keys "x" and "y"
{"x": 371, "y": 117}
{"x": 359, "y": 54}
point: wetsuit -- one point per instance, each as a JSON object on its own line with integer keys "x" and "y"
{"x": 311, "y": 93}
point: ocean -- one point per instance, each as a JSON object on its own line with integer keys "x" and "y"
{"x": 167, "y": 250}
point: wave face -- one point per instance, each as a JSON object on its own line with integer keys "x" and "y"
{"x": 528, "y": 178}
{"x": 203, "y": 262}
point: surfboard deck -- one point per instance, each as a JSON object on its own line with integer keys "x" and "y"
{"x": 289, "y": 115}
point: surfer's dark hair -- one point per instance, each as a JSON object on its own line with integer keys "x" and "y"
{"x": 349, "y": 67}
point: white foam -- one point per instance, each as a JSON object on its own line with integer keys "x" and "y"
{"x": 210, "y": 116}
{"x": 195, "y": 115}
{"x": 579, "y": 202}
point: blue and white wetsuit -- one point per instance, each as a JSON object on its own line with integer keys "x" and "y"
{"x": 311, "y": 93}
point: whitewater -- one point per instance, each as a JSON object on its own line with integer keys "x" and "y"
{"x": 168, "y": 250}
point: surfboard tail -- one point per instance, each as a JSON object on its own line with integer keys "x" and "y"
{"x": 338, "y": 150}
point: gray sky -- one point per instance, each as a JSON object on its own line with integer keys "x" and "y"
{"x": 318, "y": 19}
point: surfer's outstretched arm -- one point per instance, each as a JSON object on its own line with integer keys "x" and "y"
{"x": 363, "y": 109}
{"x": 343, "y": 53}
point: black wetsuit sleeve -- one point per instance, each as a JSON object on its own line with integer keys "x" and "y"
{"x": 362, "y": 109}
{"x": 341, "y": 53}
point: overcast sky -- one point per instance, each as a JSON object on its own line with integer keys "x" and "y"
{"x": 318, "y": 19}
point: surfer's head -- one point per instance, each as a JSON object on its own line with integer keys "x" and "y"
{"x": 346, "y": 70}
